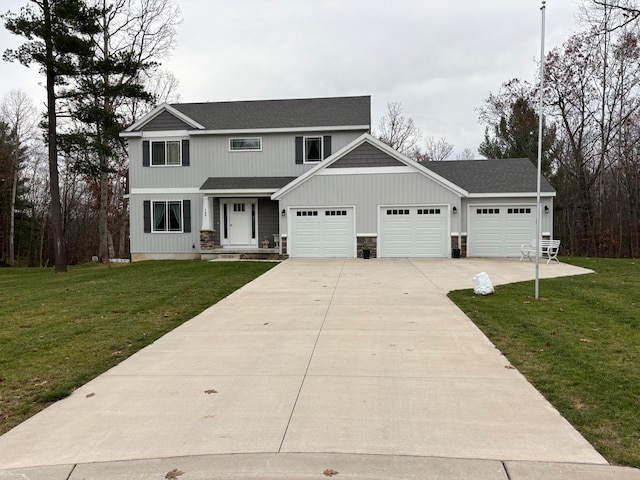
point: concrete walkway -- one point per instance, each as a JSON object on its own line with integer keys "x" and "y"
{"x": 359, "y": 367}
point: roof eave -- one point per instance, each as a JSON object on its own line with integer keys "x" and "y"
{"x": 239, "y": 192}
{"x": 238, "y": 131}
{"x": 510, "y": 195}
{"x": 157, "y": 111}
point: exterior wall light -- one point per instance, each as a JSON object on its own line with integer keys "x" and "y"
{"x": 546, "y": 209}
{"x": 284, "y": 212}
{"x": 455, "y": 210}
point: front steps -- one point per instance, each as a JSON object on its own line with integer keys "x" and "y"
{"x": 230, "y": 254}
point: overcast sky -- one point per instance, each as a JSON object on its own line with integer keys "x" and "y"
{"x": 439, "y": 59}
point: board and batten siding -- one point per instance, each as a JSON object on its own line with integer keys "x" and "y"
{"x": 164, "y": 243}
{"x": 210, "y": 157}
{"x": 367, "y": 192}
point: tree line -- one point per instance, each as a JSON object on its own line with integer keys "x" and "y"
{"x": 64, "y": 173}
{"x": 63, "y": 197}
{"x": 591, "y": 139}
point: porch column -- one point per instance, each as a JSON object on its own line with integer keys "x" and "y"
{"x": 207, "y": 214}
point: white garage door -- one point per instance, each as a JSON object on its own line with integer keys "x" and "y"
{"x": 414, "y": 231}
{"x": 499, "y": 231}
{"x": 322, "y": 232}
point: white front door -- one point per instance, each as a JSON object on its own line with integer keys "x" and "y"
{"x": 239, "y": 222}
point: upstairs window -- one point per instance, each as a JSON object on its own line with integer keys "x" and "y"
{"x": 166, "y": 153}
{"x": 163, "y": 153}
{"x": 245, "y": 144}
{"x": 312, "y": 149}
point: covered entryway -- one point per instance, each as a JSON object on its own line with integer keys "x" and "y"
{"x": 322, "y": 232}
{"x": 415, "y": 231}
{"x": 500, "y": 230}
{"x": 239, "y": 222}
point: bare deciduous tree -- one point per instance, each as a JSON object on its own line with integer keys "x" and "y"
{"x": 19, "y": 113}
{"x": 397, "y": 131}
{"x": 435, "y": 150}
{"x": 466, "y": 154}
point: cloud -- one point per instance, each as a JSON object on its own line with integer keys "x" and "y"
{"x": 439, "y": 59}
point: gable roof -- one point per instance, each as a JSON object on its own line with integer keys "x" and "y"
{"x": 269, "y": 114}
{"x": 364, "y": 139}
{"x": 514, "y": 175}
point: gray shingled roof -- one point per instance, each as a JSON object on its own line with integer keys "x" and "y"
{"x": 514, "y": 175}
{"x": 310, "y": 112}
{"x": 245, "y": 183}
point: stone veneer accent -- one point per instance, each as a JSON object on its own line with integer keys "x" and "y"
{"x": 207, "y": 239}
{"x": 373, "y": 245}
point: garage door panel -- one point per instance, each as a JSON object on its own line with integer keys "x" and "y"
{"x": 413, "y": 232}
{"x": 322, "y": 232}
{"x": 499, "y": 231}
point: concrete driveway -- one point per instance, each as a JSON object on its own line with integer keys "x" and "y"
{"x": 360, "y": 367}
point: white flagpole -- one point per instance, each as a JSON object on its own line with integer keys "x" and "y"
{"x": 538, "y": 204}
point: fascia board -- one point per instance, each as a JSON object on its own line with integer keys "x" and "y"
{"x": 248, "y": 192}
{"x": 425, "y": 171}
{"x": 157, "y": 111}
{"x": 511, "y": 195}
{"x": 253, "y": 131}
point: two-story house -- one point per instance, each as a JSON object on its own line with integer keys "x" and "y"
{"x": 305, "y": 178}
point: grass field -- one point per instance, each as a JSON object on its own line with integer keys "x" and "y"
{"x": 579, "y": 345}
{"x": 58, "y": 331}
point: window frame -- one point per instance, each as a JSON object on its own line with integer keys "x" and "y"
{"x": 231, "y": 139}
{"x": 166, "y": 143}
{"x": 320, "y": 140}
{"x": 166, "y": 204}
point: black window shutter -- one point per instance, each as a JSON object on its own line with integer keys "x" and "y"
{"x": 145, "y": 153}
{"x": 147, "y": 215}
{"x": 186, "y": 212}
{"x": 185, "y": 153}
{"x": 299, "y": 150}
{"x": 327, "y": 146}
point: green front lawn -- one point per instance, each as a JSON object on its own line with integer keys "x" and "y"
{"x": 58, "y": 331}
{"x": 579, "y": 345}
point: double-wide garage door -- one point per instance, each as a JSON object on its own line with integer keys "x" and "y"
{"x": 322, "y": 232}
{"x": 500, "y": 230}
{"x": 413, "y": 231}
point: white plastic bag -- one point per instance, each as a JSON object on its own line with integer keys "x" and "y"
{"x": 482, "y": 285}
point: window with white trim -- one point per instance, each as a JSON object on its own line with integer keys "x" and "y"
{"x": 166, "y": 216}
{"x": 166, "y": 153}
{"x": 487, "y": 211}
{"x": 253, "y": 144}
{"x": 312, "y": 149}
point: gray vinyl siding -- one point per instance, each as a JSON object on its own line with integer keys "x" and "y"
{"x": 268, "y": 220}
{"x": 367, "y": 193}
{"x": 366, "y": 155}
{"x": 164, "y": 121}
{"x": 210, "y": 157}
{"x": 168, "y": 243}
